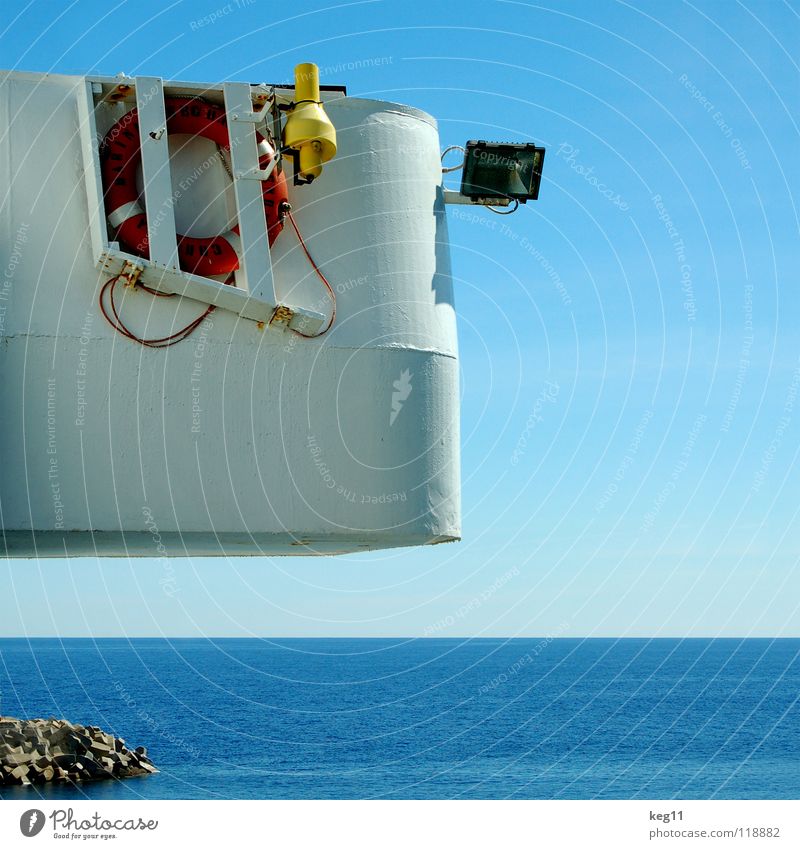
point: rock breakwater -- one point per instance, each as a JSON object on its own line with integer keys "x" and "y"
{"x": 33, "y": 751}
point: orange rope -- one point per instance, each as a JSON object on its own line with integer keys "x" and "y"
{"x": 120, "y": 326}
{"x": 321, "y": 276}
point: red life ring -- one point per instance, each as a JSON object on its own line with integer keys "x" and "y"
{"x": 121, "y": 154}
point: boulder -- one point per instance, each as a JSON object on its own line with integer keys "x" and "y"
{"x": 40, "y": 750}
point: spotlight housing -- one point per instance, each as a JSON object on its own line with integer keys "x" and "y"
{"x": 502, "y": 170}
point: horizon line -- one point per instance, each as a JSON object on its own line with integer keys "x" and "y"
{"x": 396, "y": 637}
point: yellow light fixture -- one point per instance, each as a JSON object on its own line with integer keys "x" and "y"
{"x": 308, "y": 130}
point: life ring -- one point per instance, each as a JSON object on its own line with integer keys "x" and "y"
{"x": 121, "y": 155}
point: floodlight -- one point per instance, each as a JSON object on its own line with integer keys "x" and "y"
{"x": 502, "y": 170}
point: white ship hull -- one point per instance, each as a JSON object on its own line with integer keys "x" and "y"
{"x": 240, "y": 440}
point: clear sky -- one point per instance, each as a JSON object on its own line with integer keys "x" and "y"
{"x": 629, "y": 343}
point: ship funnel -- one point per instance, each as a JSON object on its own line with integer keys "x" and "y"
{"x": 308, "y": 129}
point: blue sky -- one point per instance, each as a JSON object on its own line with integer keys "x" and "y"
{"x": 629, "y": 348}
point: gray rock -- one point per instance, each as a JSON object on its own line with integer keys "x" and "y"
{"x": 40, "y": 750}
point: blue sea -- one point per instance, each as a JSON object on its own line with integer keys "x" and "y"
{"x": 434, "y": 718}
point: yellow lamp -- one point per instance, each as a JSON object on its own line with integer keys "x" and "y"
{"x": 308, "y": 129}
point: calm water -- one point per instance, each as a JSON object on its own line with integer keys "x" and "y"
{"x": 432, "y": 719}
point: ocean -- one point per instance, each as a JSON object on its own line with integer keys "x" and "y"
{"x": 434, "y": 718}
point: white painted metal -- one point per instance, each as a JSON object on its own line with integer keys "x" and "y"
{"x": 90, "y": 140}
{"x": 156, "y": 172}
{"x": 238, "y": 440}
{"x": 206, "y": 291}
{"x": 255, "y": 262}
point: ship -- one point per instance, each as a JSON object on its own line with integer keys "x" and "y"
{"x": 227, "y": 318}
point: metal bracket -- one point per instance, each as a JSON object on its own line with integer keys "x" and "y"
{"x": 251, "y": 117}
{"x": 254, "y": 295}
{"x": 261, "y": 174}
{"x": 170, "y": 280}
{"x": 449, "y": 196}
